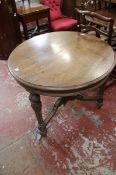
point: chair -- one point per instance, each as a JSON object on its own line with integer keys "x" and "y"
{"x": 91, "y": 21}
{"x": 59, "y": 22}
{"x": 108, "y": 9}
{"x": 88, "y": 22}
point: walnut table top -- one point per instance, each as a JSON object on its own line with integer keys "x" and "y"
{"x": 61, "y": 61}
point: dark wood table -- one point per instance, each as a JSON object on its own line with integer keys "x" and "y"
{"x": 32, "y": 13}
{"x": 61, "y": 64}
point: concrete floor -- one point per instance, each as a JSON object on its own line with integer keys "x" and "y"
{"x": 81, "y": 139}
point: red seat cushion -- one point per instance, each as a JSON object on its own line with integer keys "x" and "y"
{"x": 63, "y": 24}
{"x": 58, "y": 21}
{"x": 55, "y": 9}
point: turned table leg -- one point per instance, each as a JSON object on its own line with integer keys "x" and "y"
{"x": 99, "y": 101}
{"x": 37, "y": 107}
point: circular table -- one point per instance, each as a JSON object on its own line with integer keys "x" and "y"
{"x": 61, "y": 64}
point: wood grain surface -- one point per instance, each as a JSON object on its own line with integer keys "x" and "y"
{"x": 61, "y": 61}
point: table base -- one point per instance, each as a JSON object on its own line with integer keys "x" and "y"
{"x": 37, "y": 106}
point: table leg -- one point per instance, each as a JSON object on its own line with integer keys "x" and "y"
{"x": 99, "y": 101}
{"x": 37, "y": 107}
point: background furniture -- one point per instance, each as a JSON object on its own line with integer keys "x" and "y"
{"x": 59, "y": 22}
{"x": 91, "y": 21}
{"x": 33, "y": 15}
{"x": 68, "y": 8}
{"x": 61, "y": 64}
{"x": 9, "y": 28}
{"x": 101, "y": 8}
{"x": 109, "y": 10}
{"x": 106, "y": 8}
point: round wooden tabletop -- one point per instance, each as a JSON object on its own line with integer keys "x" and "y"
{"x": 61, "y": 61}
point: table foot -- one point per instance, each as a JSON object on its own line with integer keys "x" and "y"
{"x": 99, "y": 103}
{"x": 37, "y": 135}
{"x": 37, "y": 107}
{"x": 42, "y": 130}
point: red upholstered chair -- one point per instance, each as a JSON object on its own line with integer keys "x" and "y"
{"x": 59, "y": 22}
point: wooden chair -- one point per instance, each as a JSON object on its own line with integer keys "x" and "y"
{"x": 91, "y": 21}
{"x": 103, "y": 7}
{"x": 59, "y": 22}
{"x": 108, "y": 9}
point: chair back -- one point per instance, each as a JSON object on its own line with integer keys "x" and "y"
{"x": 55, "y": 8}
{"x": 91, "y": 21}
